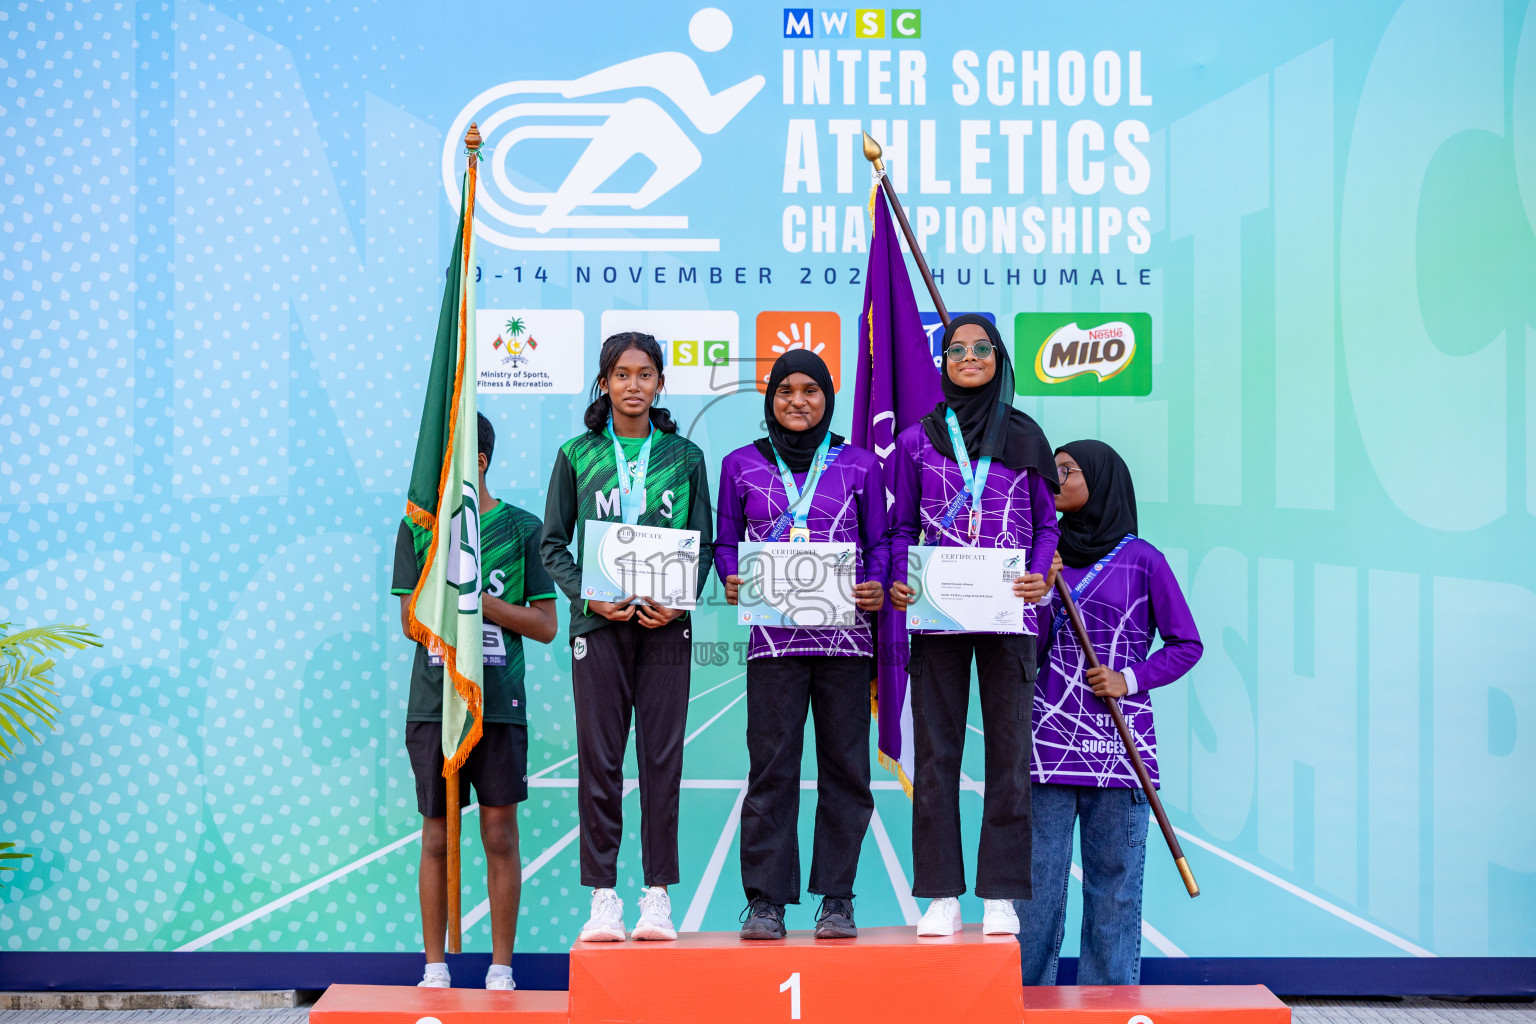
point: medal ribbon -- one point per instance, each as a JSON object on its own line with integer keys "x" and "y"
{"x": 632, "y": 491}
{"x": 800, "y": 501}
{"x": 975, "y": 482}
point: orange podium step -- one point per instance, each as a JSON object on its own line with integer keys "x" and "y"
{"x": 886, "y": 975}
{"x": 1154, "y": 1004}
{"x": 399, "y": 1004}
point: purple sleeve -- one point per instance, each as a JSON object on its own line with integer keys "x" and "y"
{"x": 902, "y": 529}
{"x": 732, "y": 525}
{"x": 872, "y": 535}
{"x": 1174, "y": 623}
{"x": 1043, "y": 528}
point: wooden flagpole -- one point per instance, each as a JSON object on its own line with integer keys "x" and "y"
{"x": 455, "y": 922}
{"x": 872, "y": 153}
{"x": 472, "y": 142}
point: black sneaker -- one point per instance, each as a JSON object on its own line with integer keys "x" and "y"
{"x": 763, "y": 920}
{"x": 835, "y": 919}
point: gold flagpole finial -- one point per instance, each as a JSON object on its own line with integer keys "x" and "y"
{"x": 872, "y": 153}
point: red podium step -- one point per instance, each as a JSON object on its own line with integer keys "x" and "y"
{"x": 886, "y": 975}
{"x": 1154, "y": 1004}
{"x": 390, "y": 1004}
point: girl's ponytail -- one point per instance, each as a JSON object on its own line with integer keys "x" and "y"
{"x": 596, "y": 416}
{"x": 663, "y": 420}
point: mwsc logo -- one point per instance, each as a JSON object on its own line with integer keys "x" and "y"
{"x": 860, "y": 22}
{"x": 525, "y": 217}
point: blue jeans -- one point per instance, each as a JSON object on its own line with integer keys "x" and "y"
{"x": 1114, "y": 845}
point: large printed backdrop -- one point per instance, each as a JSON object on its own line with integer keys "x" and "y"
{"x": 224, "y": 229}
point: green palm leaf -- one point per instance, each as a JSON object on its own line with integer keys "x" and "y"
{"x": 6, "y": 855}
{"x": 27, "y": 690}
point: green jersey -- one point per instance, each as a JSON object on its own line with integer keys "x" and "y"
{"x": 585, "y": 485}
{"x": 510, "y": 568}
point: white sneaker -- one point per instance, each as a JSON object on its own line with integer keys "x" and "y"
{"x": 941, "y": 918}
{"x": 607, "y": 921}
{"x": 655, "y": 915}
{"x": 999, "y": 918}
{"x": 499, "y": 979}
{"x": 435, "y": 976}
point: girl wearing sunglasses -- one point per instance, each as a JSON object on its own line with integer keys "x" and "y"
{"x": 974, "y": 472}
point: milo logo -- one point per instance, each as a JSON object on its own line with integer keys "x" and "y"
{"x": 1069, "y": 351}
{"x": 1085, "y": 353}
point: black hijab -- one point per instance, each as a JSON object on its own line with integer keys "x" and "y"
{"x": 988, "y": 421}
{"x": 797, "y": 447}
{"x": 1092, "y": 532}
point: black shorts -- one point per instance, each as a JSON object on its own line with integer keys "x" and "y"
{"x": 497, "y": 767}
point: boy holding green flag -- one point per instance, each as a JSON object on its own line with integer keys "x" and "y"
{"x": 517, "y": 600}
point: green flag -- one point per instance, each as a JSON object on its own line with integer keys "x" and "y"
{"x": 445, "y": 607}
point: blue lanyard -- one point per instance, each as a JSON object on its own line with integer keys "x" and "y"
{"x": 632, "y": 491}
{"x": 800, "y": 501}
{"x": 1060, "y": 618}
{"x": 974, "y": 483}
{"x": 798, "y": 511}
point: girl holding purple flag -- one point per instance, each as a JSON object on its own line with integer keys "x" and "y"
{"x": 803, "y": 483}
{"x": 1126, "y": 592}
{"x": 1003, "y": 499}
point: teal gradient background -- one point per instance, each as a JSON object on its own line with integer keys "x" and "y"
{"x": 222, "y": 237}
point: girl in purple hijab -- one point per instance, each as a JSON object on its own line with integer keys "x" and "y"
{"x": 1001, "y": 500}
{"x": 803, "y": 477}
{"x": 1081, "y": 776}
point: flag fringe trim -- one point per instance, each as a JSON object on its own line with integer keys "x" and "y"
{"x": 871, "y": 319}
{"x": 417, "y": 630}
{"x": 420, "y": 516}
{"x": 893, "y": 766}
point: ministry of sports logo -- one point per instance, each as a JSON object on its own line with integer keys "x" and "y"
{"x": 530, "y": 351}
{"x": 616, "y": 129}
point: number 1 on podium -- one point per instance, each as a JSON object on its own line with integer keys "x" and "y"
{"x": 792, "y": 986}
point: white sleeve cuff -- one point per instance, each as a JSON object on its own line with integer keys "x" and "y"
{"x": 1130, "y": 680}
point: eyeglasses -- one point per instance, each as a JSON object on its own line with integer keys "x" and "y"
{"x": 957, "y": 351}
{"x": 1063, "y": 473}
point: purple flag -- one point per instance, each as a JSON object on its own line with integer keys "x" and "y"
{"x": 897, "y": 386}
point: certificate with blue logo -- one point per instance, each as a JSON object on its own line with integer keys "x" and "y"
{"x": 966, "y": 590}
{"x": 619, "y": 560}
{"x": 805, "y": 584}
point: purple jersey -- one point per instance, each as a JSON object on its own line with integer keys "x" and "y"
{"x": 1133, "y": 596}
{"x": 848, "y": 507}
{"x": 1017, "y": 508}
